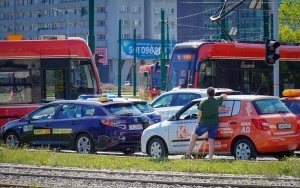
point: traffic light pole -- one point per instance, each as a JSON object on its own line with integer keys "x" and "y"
{"x": 276, "y": 36}
{"x": 162, "y": 54}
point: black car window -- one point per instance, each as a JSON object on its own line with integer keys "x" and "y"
{"x": 70, "y": 111}
{"x": 183, "y": 98}
{"x": 46, "y": 112}
{"x": 196, "y": 96}
{"x": 163, "y": 101}
{"x": 191, "y": 112}
{"x": 144, "y": 107}
{"x": 122, "y": 109}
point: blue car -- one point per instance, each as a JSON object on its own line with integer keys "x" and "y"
{"x": 81, "y": 125}
{"x": 144, "y": 107}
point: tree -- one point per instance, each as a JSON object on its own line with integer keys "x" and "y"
{"x": 289, "y": 21}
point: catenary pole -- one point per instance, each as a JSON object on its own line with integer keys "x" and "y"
{"x": 162, "y": 54}
{"x": 119, "y": 61}
{"x": 276, "y": 37}
{"x": 134, "y": 62}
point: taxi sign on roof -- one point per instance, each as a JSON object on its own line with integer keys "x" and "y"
{"x": 14, "y": 36}
{"x": 291, "y": 93}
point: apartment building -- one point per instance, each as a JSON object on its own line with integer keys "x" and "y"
{"x": 34, "y": 18}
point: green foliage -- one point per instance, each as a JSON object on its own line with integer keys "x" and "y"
{"x": 289, "y": 21}
{"x": 271, "y": 169}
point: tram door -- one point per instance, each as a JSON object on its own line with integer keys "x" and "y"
{"x": 256, "y": 82}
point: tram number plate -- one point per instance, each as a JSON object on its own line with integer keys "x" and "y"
{"x": 136, "y": 127}
{"x": 284, "y": 126}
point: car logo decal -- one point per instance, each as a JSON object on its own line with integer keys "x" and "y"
{"x": 136, "y": 120}
{"x": 285, "y": 120}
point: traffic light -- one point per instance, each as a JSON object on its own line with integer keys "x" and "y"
{"x": 271, "y": 52}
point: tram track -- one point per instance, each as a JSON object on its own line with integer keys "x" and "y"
{"x": 26, "y": 176}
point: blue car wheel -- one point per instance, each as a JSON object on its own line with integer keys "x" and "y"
{"x": 85, "y": 144}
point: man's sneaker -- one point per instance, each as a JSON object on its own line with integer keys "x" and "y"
{"x": 186, "y": 157}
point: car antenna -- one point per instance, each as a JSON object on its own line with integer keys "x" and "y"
{"x": 259, "y": 87}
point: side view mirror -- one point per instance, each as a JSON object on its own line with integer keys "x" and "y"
{"x": 174, "y": 117}
{"x": 27, "y": 118}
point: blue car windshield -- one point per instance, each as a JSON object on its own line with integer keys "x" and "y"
{"x": 121, "y": 109}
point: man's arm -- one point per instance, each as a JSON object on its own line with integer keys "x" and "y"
{"x": 199, "y": 116}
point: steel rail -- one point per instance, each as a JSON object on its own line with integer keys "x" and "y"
{"x": 212, "y": 178}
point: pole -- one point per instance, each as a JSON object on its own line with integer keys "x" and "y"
{"x": 119, "y": 61}
{"x": 68, "y": 25}
{"x": 91, "y": 36}
{"x": 59, "y": 10}
{"x": 266, "y": 18}
{"x": 224, "y": 34}
{"x": 162, "y": 54}
{"x": 134, "y": 62}
{"x": 168, "y": 40}
{"x": 276, "y": 36}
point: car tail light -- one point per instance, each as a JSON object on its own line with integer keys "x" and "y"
{"x": 298, "y": 123}
{"x": 261, "y": 123}
{"x": 108, "y": 122}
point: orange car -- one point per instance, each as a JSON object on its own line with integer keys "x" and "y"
{"x": 249, "y": 125}
{"x": 291, "y": 98}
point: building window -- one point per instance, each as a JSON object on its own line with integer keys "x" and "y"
{"x": 125, "y": 22}
{"x": 101, "y": 10}
{"x": 46, "y": 13}
{"x": 157, "y": 10}
{"x": 170, "y": 11}
{"x": 135, "y": 9}
{"x": 136, "y": 22}
{"x": 124, "y": 9}
{"x": 126, "y": 36}
{"x": 101, "y": 23}
{"x": 100, "y": 36}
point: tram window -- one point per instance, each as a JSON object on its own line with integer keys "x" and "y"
{"x": 54, "y": 84}
{"x": 82, "y": 77}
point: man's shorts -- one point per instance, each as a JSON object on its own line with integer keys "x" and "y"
{"x": 211, "y": 129}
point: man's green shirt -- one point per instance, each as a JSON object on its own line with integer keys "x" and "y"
{"x": 210, "y": 109}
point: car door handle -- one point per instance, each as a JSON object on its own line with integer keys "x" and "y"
{"x": 73, "y": 122}
{"x": 233, "y": 123}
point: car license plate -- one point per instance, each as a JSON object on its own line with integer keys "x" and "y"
{"x": 284, "y": 126}
{"x": 136, "y": 127}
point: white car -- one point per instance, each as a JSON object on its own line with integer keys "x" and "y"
{"x": 248, "y": 125}
{"x": 167, "y": 104}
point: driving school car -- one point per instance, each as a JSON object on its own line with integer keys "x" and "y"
{"x": 85, "y": 126}
{"x": 249, "y": 125}
{"x": 141, "y": 105}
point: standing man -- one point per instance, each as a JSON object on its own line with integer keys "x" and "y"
{"x": 208, "y": 120}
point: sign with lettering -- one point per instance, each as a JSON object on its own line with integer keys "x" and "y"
{"x": 145, "y": 49}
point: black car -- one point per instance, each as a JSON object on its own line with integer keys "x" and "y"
{"x": 85, "y": 126}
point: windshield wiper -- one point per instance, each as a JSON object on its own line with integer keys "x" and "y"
{"x": 282, "y": 111}
{"x": 126, "y": 114}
